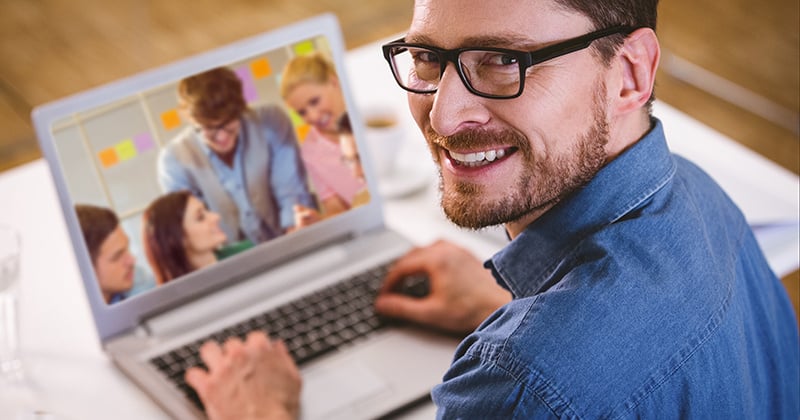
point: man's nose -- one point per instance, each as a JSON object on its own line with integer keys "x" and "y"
{"x": 454, "y": 107}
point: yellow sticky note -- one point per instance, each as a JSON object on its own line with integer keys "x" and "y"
{"x": 125, "y": 149}
{"x": 260, "y": 68}
{"x": 170, "y": 119}
{"x": 296, "y": 118}
{"x": 303, "y": 48}
{"x": 108, "y": 157}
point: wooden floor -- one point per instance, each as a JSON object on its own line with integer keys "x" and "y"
{"x": 728, "y": 63}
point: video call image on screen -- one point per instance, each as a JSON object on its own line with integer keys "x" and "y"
{"x": 175, "y": 178}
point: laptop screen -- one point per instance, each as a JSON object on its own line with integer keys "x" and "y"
{"x": 181, "y": 173}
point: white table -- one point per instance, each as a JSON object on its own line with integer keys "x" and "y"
{"x": 79, "y": 382}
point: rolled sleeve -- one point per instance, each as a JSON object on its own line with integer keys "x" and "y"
{"x": 483, "y": 384}
{"x": 287, "y": 176}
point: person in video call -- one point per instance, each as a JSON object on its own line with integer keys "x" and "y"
{"x": 632, "y": 286}
{"x": 181, "y": 235}
{"x": 351, "y": 158}
{"x": 108, "y": 245}
{"x": 311, "y": 87}
{"x": 242, "y": 163}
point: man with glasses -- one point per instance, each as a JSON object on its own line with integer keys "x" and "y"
{"x": 243, "y": 163}
{"x": 632, "y": 286}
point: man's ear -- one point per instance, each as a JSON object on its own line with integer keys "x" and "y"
{"x": 639, "y": 57}
{"x": 183, "y": 111}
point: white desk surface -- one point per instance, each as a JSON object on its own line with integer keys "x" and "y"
{"x": 76, "y": 380}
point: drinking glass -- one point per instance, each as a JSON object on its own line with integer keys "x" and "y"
{"x": 20, "y": 397}
{"x": 11, "y": 369}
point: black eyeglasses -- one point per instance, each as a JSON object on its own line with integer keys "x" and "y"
{"x": 211, "y": 132}
{"x": 495, "y": 73}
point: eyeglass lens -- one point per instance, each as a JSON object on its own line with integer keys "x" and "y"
{"x": 488, "y": 72}
{"x": 212, "y": 132}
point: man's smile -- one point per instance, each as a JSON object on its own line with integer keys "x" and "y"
{"x": 479, "y": 158}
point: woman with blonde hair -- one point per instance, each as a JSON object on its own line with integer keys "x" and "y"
{"x": 310, "y": 86}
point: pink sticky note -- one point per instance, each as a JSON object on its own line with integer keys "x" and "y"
{"x": 143, "y": 142}
{"x": 248, "y": 86}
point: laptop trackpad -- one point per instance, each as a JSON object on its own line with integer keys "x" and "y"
{"x": 328, "y": 389}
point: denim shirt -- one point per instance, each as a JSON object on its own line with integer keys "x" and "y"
{"x": 642, "y": 295}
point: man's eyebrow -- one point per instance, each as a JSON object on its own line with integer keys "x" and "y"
{"x": 510, "y": 41}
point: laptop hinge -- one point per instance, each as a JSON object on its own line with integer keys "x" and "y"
{"x": 252, "y": 289}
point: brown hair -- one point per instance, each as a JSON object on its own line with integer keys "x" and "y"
{"x": 164, "y": 236}
{"x": 96, "y": 224}
{"x": 609, "y": 13}
{"x": 213, "y": 96}
{"x": 314, "y": 68}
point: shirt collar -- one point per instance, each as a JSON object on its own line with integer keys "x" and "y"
{"x": 117, "y": 297}
{"x": 624, "y": 184}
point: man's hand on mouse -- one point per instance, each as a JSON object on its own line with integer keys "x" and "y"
{"x": 462, "y": 292}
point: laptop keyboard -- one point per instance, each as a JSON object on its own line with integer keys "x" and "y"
{"x": 310, "y": 326}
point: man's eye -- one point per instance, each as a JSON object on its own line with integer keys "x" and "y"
{"x": 423, "y": 56}
{"x": 498, "y": 59}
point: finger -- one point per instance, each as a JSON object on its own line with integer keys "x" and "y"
{"x": 301, "y": 209}
{"x": 211, "y": 353}
{"x": 197, "y": 378}
{"x": 233, "y": 347}
{"x": 281, "y": 353}
{"x": 401, "y": 306}
{"x": 258, "y": 340}
{"x": 414, "y": 262}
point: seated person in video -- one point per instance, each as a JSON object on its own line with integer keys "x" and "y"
{"x": 310, "y": 86}
{"x": 181, "y": 235}
{"x": 114, "y": 265}
{"x": 242, "y": 163}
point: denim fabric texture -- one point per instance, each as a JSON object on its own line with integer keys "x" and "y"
{"x": 642, "y": 295}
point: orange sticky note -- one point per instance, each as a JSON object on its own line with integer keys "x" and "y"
{"x": 170, "y": 119}
{"x": 302, "y": 132}
{"x": 260, "y": 68}
{"x": 108, "y": 157}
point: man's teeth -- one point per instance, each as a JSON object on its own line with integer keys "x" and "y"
{"x": 478, "y": 158}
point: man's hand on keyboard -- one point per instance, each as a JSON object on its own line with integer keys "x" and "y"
{"x": 462, "y": 293}
{"x": 254, "y": 379}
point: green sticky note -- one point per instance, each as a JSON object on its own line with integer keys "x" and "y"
{"x": 296, "y": 118}
{"x": 303, "y": 48}
{"x": 126, "y": 150}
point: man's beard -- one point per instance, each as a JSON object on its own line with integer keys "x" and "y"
{"x": 541, "y": 184}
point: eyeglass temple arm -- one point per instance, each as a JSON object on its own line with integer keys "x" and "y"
{"x": 576, "y": 44}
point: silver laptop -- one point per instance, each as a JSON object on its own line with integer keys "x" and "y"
{"x": 102, "y": 147}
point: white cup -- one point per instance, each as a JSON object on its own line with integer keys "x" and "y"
{"x": 384, "y": 135}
